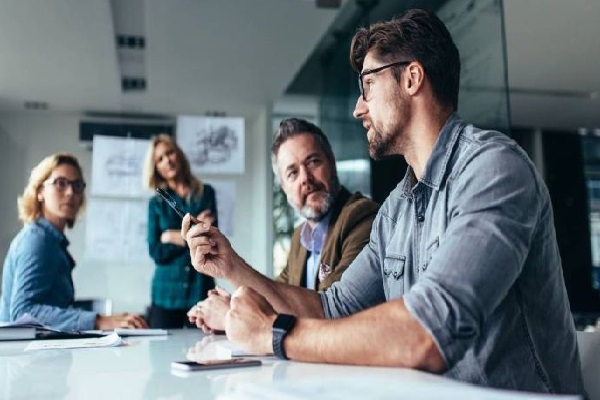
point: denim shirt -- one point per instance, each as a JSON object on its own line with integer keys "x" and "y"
{"x": 471, "y": 248}
{"x": 36, "y": 279}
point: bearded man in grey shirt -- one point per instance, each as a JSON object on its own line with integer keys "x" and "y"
{"x": 462, "y": 273}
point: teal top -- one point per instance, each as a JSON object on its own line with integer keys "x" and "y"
{"x": 176, "y": 285}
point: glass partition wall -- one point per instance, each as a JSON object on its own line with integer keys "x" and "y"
{"x": 327, "y": 78}
{"x": 590, "y": 143}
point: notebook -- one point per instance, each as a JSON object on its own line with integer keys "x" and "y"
{"x": 17, "y": 332}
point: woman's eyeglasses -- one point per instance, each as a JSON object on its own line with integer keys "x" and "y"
{"x": 61, "y": 184}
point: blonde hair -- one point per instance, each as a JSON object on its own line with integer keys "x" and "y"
{"x": 152, "y": 178}
{"x": 30, "y": 208}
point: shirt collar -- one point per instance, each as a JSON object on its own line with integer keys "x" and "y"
{"x": 53, "y": 231}
{"x": 313, "y": 238}
{"x": 436, "y": 167}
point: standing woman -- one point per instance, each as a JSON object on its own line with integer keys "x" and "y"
{"x": 176, "y": 285}
{"x": 37, "y": 270}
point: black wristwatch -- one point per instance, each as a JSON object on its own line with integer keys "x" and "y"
{"x": 282, "y": 325}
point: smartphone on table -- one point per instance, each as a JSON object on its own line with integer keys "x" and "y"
{"x": 214, "y": 364}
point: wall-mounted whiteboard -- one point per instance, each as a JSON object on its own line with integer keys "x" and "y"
{"x": 117, "y": 165}
{"x": 117, "y": 211}
{"x": 213, "y": 145}
{"x": 116, "y": 229}
{"x": 225, "y": 194}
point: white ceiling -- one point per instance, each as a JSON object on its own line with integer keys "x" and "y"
{"x": 230, "y": 56}
{"x": 235, "y": 56}
{"x": 553, "y": 51}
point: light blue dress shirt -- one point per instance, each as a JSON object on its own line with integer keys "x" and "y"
{"x": 313, "y": 240}
{"x": 471, "y": 248}
{"x": 36, "y": 279}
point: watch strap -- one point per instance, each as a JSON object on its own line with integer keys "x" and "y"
{"x": 282, "y": 325}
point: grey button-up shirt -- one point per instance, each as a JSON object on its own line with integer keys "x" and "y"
{"x": 471, "y": 247}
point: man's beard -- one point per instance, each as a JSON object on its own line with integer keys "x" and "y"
{"x": 380, "y": 145}
{"x": 315, "y": 214}
{"x": 391, "y": 139}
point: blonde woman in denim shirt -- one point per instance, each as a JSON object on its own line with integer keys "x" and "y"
{"x": 37, "y": 269}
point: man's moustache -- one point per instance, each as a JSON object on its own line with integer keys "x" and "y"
{"x": 314, "y": 190}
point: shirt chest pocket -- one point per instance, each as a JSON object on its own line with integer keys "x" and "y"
{"x": 393, "y": 272}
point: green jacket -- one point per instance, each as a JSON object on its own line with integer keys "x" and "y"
{"x": 176, "y": 285}
{"x": 349, "y": 231}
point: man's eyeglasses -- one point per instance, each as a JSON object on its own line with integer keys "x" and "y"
{"x": 61, "y": 184}
{"x": 361, "y": 85}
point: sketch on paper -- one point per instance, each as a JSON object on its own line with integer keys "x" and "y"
{"x": 212, "y": 144}
{"x": 123, "y": 165}
{"x": 117, "y": 165}
{"x": 116, "y": 230}
{"x": 225, "y": 195}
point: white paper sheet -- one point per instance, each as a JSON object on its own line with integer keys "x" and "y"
{"x": 225, "y": 194}
{"x": 116, "y": 229}
{"x": 111, "y": 340}
{"x": 117, "y": 165}
{"x": 140, "y": 332}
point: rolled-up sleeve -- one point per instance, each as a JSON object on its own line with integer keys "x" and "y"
{"x": 492, "y": 213}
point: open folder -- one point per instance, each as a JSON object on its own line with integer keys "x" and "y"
{"x": 131, "y": 332}
{"x": 28, "y": 328}
{"x": 141, "y": 332}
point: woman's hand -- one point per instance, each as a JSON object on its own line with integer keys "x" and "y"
{"x": 172, "y": 236}
{"x": 124, "y": 320}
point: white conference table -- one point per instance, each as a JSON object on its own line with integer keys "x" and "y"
{"x": 141, "y": 370}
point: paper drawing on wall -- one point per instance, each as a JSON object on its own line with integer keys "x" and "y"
{"x": 225, "y": 193}
{"x": 212, "y": 144}
{"x": 123, "y": 164}
{"x": 122, "y": 233}
{"x": 117, "y": 165}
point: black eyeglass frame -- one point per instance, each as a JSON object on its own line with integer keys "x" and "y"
{"x": 374, "y": 71}
{"x": 77, "y": 185}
